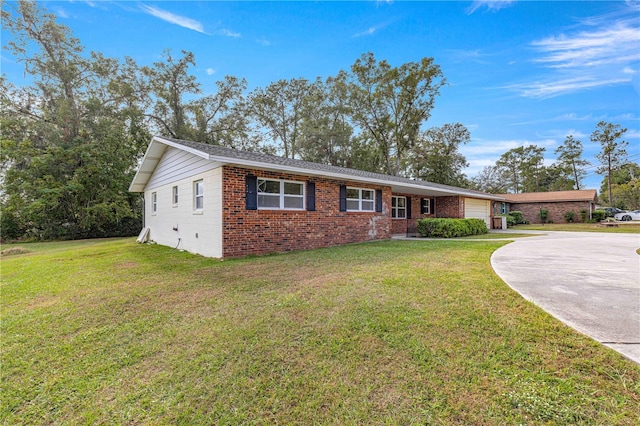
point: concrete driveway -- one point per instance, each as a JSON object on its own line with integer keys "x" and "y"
{"x": 590, "y": 281}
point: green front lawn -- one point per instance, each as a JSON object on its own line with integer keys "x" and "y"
{"x": 622, "y": 228}
{"x": 395, "y": 332}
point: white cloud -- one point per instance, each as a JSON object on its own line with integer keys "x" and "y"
{"x": 604, "y": 53}
{"x": 263, "y": 41}
{"x": 229, "y": 33}
{"x": 612, "y": 45}
{"x": 61, "y": 12}
{"x": 493, "y": 5}
{"x": 172, "y": 18}
{"x": 552, "y": 87}
{"x": 210, "y": 71}
{"x": 367, "y": 32}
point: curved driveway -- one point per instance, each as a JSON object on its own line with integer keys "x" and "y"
{"x": 590, "y": 281}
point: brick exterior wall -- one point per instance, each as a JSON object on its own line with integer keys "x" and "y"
{"x": 246, "y": 232}
{"x": 449, "y": 207}
{"x": 531, "y": 211}
{"x": 400, "y": 226}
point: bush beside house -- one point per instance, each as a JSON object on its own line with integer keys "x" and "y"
{"x": 451, "y": 228}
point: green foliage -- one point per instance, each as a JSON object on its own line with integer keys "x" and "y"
{"x": 67, "y": 159}
{"x": 598, "y": 215}
{"x": 515, "y": 217}
{"x": 543, "y": 214}
{"x": 570, "y": 160}
{"x": 613, "y": 154}
{"x": 390, "y": 104}
{"x": 569, "y": 216}
{"x": 436, "y": 156}
{"x": 584, "y": 215}
{"x": 450, "y": 228}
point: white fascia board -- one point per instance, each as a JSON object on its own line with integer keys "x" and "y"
{"x": 193, "y": 151}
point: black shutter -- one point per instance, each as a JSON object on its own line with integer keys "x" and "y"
{"x": 343, "y": 198}
{"x": 423, "y": 207}
{"x": 379, "y": 200}
{"x": 252, "y": 192}
{"x": 311, "y": 196}
{"x": 408, "y": 207}
{"x": 432, "y": 206}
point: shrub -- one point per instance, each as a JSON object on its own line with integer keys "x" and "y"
{"x": 569, "y": 217}
{"x": 544, "y": 214}
{"x": 598, "y": 215}
{"x": 515, "y": 218}
{"x": 584, "y": 215}
{"x": 451, "y": 228}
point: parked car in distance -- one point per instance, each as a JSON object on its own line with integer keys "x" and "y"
{"x": 626, "y": 216}
{"x": 611, "y": 211}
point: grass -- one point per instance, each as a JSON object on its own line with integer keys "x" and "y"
{"x": 498, "y": 236}
{"x": 395, "y": 332}
{"x": 622, "y": 228}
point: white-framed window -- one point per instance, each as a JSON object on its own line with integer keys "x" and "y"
{"x": 198, "y": 195}
{"x": 399, "y": 207}
{"x": 174, "y": 195}
{"x": 425, "y": 208}
{"x": 280, "y": 194}
{"x": 360, "y": 200}
{"x": 154, "y": 202}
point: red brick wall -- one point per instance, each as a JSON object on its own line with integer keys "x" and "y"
{"x": 399, "y": 226}
{"x": 531, "y": 211}
{"x": 246, "y": 232}
{"x": 449, "y": 207}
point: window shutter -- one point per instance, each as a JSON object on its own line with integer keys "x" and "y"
{"x": 408, "y": 207}
{"x": 252, "y": 192}
{"x": 311, "y": 196}
{"x": 432, "y": 206}
{"x": 379, "y": 200}
{"x": 423, "y": 206}
{"x": 343, "y": 198}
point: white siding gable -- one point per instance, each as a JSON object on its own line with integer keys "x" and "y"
{"x": 176, "y": 165}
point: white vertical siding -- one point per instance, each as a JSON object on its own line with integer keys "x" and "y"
{"x": 180, "y": 225}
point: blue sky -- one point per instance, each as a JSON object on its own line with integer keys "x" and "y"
{"x": 519, "y": 72}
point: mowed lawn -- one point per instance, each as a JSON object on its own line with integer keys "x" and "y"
{"x": 394, "y": 332}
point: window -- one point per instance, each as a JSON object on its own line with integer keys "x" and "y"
{"x": 174, "y": 195}
{"x": 154, "y": 202}
{"x": 198, "y": 195}
{"x": 425, "y": 206}
{"x": 359, "y": 199}
{"x": 280, "y": 194}
{"x": 399, "y": 207}
{"x": 504, "y": 208}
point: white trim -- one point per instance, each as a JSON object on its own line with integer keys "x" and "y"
{"x": 281, "y": 195}
{"x": 360, "y": 200}
{"x": 197, "y": 196}
{"x": 396, "y": 209}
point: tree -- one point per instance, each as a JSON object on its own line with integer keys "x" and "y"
{"x": 389, "y": 104}
{"x": 570, "y": 158}
{"x": 325, "y": 130}
{"x": 169, "y": 82}
{"x": 70, "y": 140}
{"x": 280, "y": 109}
{"x": 491, "y": 179}
{"x": 523, "y": 167}
{"x": 625, "y": 186}
{"x": 613, "y": 154}
{"x": 436, "y": 156}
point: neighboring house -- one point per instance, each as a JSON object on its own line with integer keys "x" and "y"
{"x": 557, "y": 204}
{"x": 221, "y": 202}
